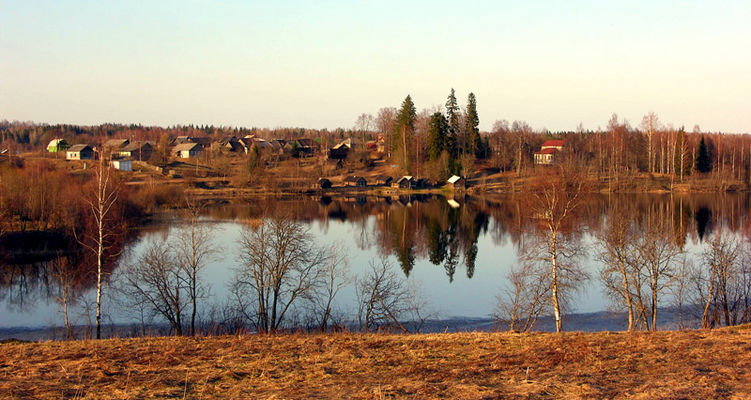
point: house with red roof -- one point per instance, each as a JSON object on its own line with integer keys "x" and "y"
{"x": 547, "y": 152}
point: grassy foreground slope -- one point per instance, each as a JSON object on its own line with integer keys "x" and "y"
{"x": 672, "y": 365}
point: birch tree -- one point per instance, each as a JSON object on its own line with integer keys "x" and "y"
{"x": 101, "y": 202}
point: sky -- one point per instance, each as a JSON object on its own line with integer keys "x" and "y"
{"x": 320, "y": 64}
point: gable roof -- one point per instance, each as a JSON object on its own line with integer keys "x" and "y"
{"x": 116, "y": 142}
{"x": 353, "y": 178}
{"x": 79, "y": 147}
{"x": 553, "y": 143}
{"x": 405, "y": 177}
{"x": 454, "y": 179}
{"x": 135, "y": 146}
{"x": 187, "y": 146}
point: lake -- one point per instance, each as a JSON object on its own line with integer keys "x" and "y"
{"x": 458, "y": 251}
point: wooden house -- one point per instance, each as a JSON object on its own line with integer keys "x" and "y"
{"x": 383, "y": 180}
{"x": 140, "y": 151}
{"x": 187, "y": 150}
{"x": 353, "y": 180}
{"x": 80, "y": 152}
{"x": 456, "y": 182}
{"x": 405, "y": 182}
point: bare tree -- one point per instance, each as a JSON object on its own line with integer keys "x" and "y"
{"x": 194, "y": 248}
{"x": 616, "y": 255}
{"x": 334, "y": 277}
{"x": 386, "y": 300}
{"x": 720, "y": 297}
{"x": 101, "y": 203}
{"x": 654, "y": 269}
{"x": 280, "y": 264}
{"x": 154, "y": 282}
{"x": 650, "y": 124}
{"x": 553, "y": 205}
{"x": 520, "y": 305}
{"x": 67, "y": 277}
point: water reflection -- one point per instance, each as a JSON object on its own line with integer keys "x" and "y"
{"x": 443, "y": 232}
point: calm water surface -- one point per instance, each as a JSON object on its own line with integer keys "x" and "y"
{"x": 458, "y": 251}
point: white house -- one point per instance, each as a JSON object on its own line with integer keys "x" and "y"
{"x": 547, "y": 152}
{"x": 187, "y": 150}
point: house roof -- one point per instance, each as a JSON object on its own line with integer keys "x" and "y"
{"x": 405, "y": 177}
{"x": 79, "y": 147}
{"x": 186, "y": 146}
{"x": 353, "y": 178}
{"x": 116, "y": 142}
{"x": 546, "y": 151}
{"x": 454, "y": 179}
{"x": 382, "y": 177}
{"x": 135, "y": 146}
{"x": 553, "y": 143}
{"x": 55, "y": 142}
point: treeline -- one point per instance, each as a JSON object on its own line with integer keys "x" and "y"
{"x": 28, "y": 136}
{"x": 440, "y": 141}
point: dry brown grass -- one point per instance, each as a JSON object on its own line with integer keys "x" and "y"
{"x": 670, "y": 365}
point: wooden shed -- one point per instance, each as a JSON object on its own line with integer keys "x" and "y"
{"x": 405, "y": 182}
{"x": 354, "y": 180}
{"x": 456, "y": 182}
{"x": 383, "y": 180}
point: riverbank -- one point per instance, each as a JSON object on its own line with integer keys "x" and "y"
{"x": 688, "y": 364}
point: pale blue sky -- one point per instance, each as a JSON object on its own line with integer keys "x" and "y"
{"x": 321, "y": 63}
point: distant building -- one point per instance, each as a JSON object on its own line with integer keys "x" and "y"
{"x": 546, "y": 155}
{"x": 187, "y": 150}
{"x": 114, "y": 144}
{"x": 80, "y": 152}
{"x": 353, "y": 180}
{"x": 182, "y": 140}
{"x": 456, "y": 182}
{"x": 140, "y": 151}
{"x": 57, "y": 145}
{"x": 122, "y": 165}
{"x": 405, "y": 182}
{"x": 383, "y": 180}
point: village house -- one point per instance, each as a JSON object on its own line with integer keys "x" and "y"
{"x": 405, "y": 182}
{"x": 342, "y": 149}
{"x": 57, "y": 145}
{"x": 546, "y": 155}
{"x": 187, "y": 150}
{"x": 140, "y": 151}
{"x": 229, "y": 144}
{"x": 383, "y": 180}
{"x": 353, "y": 180}
{"x": 80, "y": 152}
{"x": 114, "y": 144}
{"x": 299, "y": 147}
{"x": 456, "y": 182}
{"x": 182, "y": 140}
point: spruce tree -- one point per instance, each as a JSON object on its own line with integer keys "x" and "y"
{"x": 703, "y": 162}
{"x": 474, "y": 143}
{"x": 405, "y": 128}
{"x": 452, "y": 118}
{"x": 437, "y": 132}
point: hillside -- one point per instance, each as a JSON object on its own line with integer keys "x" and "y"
{"x": 693, "y": 364}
